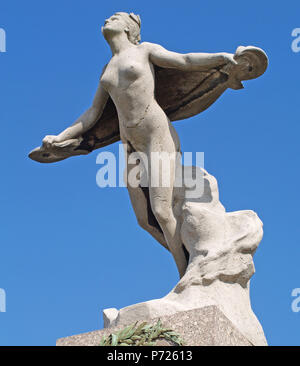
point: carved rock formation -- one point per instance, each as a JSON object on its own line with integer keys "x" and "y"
{"x": 221, "y": 246}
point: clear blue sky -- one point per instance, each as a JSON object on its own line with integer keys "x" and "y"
{"x": 70, "y": 249}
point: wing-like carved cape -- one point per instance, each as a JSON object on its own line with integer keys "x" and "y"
{"x": 181, "y": 94}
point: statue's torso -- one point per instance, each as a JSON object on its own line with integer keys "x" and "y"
{"x": 129, "y": 80}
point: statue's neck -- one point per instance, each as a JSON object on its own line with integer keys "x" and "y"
{"x": 119, "y": 43}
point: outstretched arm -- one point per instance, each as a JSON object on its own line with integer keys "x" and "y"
{"x": 84, "y": 122}
{"x": 189, "y": 61}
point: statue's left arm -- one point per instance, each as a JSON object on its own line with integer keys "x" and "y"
{"x": 188, "y": 62}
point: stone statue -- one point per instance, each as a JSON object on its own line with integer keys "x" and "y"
{"x": 142, "y": 89}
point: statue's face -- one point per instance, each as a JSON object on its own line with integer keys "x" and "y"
{"x": 114, "y": 24}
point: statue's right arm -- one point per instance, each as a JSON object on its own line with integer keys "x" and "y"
{"x": 85, "y": 121}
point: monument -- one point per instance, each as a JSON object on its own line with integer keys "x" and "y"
{"x": 142, "y": 89}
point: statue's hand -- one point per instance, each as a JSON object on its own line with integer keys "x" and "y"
{"x": 230, "y": 62}
{"x": 49, "y": 140}
{"x": 229, "y": 58}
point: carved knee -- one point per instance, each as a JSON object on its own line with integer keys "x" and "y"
{"x": 161, "y": 213}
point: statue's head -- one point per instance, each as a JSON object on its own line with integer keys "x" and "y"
{"x": 123, "y": 22}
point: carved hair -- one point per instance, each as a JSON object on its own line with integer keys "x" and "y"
{"x": 133, "y": 22}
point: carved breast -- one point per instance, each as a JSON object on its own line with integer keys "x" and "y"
{"x": 121, "y": 76}
{"x": 130, "y": 71}
{"x": 109, "y": 78}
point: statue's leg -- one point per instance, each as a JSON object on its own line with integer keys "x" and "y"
{"x": 161, "y": 198}
{"x": 162, "y": 140}
{"x": 140, "y": 200}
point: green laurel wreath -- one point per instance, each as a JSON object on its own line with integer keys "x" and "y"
{"x": 143, "y": 334}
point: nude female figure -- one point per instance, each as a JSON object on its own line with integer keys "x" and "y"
{"x": 128, "y": 79}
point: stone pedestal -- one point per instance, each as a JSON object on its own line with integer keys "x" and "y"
{"x": 207, "y": 326}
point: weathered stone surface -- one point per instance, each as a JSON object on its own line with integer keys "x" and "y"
{"x": 221, "y": 246}
{"x": 147, "y": 87}
{"x": 180, "y": 93}
{"x": 109, "y": 315}
{"x": 207, "y": 326}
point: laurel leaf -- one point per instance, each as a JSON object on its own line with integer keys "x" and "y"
{"x": 142, "y": 335}
{"x": 114, "y": 339}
